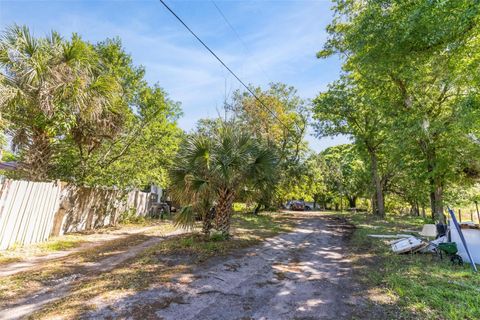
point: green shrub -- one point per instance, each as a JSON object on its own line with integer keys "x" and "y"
{"x": 130, "y": 216}
{"x": 217, "y": 236}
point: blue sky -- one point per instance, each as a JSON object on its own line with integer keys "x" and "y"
{"x": 280, "y": 39}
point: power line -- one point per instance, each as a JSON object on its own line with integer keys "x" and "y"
{"x": 230, "y": 25}
{"x": 245, "y": 46}
{"x": 226, "y": 67}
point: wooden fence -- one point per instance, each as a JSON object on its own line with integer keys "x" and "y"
{"x": 31, "y": 212}
{"x": 140, "y": 201}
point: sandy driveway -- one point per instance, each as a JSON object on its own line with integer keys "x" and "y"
{"x": 60, "y": 287}
{"x": 90, "y": 241}
{"x": 299, "y": 275}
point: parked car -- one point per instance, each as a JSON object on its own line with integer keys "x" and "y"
{"x": 297, "y": 205}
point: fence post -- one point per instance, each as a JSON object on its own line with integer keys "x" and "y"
{"x": 478, "y": 213}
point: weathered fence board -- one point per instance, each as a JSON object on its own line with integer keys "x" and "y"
{"x": 31, "y": 212}
{"x": 26, "y": 211}
{"x": 140, "y": 201}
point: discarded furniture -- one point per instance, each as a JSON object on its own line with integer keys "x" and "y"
{"x": 411, "y": 244}
{"x": 428, "y": 231}
{"x": 433, "y": 245}
{"x": 390, "y": 236}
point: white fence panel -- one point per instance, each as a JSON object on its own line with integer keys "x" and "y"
{"x": 140, "y": 201}
{"x": 27, "y": 211}
{"x": 31, "y": 212}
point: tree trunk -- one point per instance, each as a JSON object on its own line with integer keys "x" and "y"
{"x": 436, "y": 200}
{"x": 379, "y": 200}
{"x": 352, "y": 202}
{"x": 478, "y": 212}
{"x": 432, "y": 204}
{"x": 223, "y": 211}
{"x": 257, "y": 209}
{"x": 207, "y": 221}
{"x": 414, "y": 209}
{"x": 373, "y": 203}
{"x": 36, "y": 163}
{"x": 439, "y": 215}
{"x": 436, "y": 186}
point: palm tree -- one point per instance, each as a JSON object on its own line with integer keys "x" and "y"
{"x": 190, "y": 185}
{"x": 212, "y": 168}
{"x": 50, "y": 87}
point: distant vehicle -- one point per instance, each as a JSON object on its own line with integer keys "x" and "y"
{"x": 297, "y": 205}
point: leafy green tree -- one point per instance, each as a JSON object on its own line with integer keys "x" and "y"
{"x": 212, "y": 169}
{"x": 421, "y": 56}
{"x": 348, "y": 108}
{"x": 283, "y": 127}
{"x": 53, "y": 86}
{"x": 85, "y": 142}
{"x": 83, "y": 112}
{"x": 345, "y": 172}
{"x": 147, "y": 146}
{"x": 310, "y": 184}
{"x": 318, "y": 182}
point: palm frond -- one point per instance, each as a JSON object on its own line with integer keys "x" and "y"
{"x": 185, "y": 218}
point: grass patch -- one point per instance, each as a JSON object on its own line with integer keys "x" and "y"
{"x": 135, "y": 221}
{"x": 421, "y": 284}
{"x": 18, "y": 285}
{"x": 4, "y": 259}
{"x": 20, "y": 253}
{"x": 60, "y": 244}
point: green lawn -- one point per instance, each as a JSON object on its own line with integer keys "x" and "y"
{"x": 421, "y": 284}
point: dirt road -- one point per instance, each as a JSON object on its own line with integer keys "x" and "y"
{"x": 90, "y": 241}
{"x": 22, "y": 308}
{"x": 299, "y": 275}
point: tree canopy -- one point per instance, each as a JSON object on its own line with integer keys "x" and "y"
{"x": 83, "y": 112}
{"x": 407, "y": 97}
{"x": 409, "y": 83}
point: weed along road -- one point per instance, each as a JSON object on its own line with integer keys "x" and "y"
{"x": 300, "y": 274}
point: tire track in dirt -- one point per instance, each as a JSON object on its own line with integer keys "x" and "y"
{"x": 35, "y": 262}
{"x": 35, "y": 301}
{"x": 302, "y": 274}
